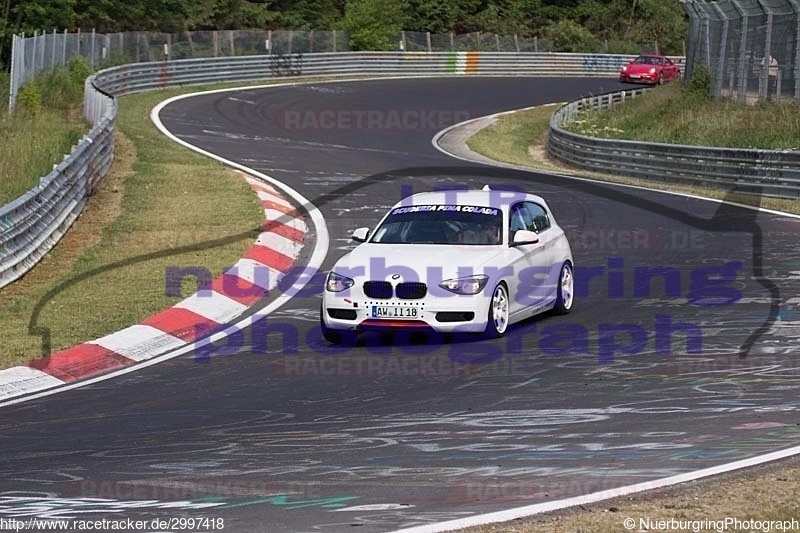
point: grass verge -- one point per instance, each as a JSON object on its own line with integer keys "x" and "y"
{"x": 767, "y": 492}
{"x": 674, "y": 115}
{"x": 520, "y": 139}
{"x": 158, "y": 198}
{"x": 44, "y": 126}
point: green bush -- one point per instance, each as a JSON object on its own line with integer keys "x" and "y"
{"x": 5, "y": 81}
{"x": 59, "y": 89}
{"x": 569, "y": 36}
{"x": 700, "y": 84}
{"x": 78, "y": 72}
{"x": 29, "y": 98}
{"x": 374, "y": 24}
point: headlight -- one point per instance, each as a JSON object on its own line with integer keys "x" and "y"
{"x": 468, "y": 285}
{"x": 625, "y": 68}
{"x": 653, "y": 70}
{"x": 337, "y": 282}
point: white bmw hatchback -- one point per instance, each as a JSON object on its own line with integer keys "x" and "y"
{"x": 451, "y": 261}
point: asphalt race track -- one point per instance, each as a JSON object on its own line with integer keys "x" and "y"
{"x": 649, "y": 377}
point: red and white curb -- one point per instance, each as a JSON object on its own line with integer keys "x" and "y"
{"x": 226, "y": 298}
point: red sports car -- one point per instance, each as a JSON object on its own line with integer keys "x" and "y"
{"x": 650, "y": 69}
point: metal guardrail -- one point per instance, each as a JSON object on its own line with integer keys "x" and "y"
{"x": 137, "y": 77}
{"x": 765, "y": 172}
{"x": 33, "y": 223}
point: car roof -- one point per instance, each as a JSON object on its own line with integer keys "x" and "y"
{"x": 497, "y": 198}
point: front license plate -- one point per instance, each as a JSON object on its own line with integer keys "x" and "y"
{"x": 394, "y": 312}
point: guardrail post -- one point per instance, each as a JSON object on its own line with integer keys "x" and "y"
{"x": 723, "y": 48}
{"x": 766, "y": 61}
{"x": 796, "y": 8}
{"x": 34, "y": 55}
{"x": 742, "y": 86}
{"x": 92, "y": 52}
{"x": 428, "y": 40}
{"x": 689, "y": 8}
{"x": 53, "y": 49}
{"x": 12, "y": 92}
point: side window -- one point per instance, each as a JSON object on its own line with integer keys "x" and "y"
{"x": 519, "y": 219}
{"x": 538, "y": 216}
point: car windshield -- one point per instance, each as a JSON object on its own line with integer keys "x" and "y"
{"x": 441, "y": 224}
{"x": 648, "y": 60}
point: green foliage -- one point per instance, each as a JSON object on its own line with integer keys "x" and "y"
{"x": 619, "y": 46}
{"x": 614, "y": 26}
{"x": 439, "y": 17}
{"x": 29, "y": 98}
{"x": 641, "y": 21}
{"x": 42, "y": 128}
{"x": 58, "y": 89}
{"x": 676, "y": 115}
{"x": 569, "y": 36}
{"x": 700, "y": 84}
{"x": 374, "y": 24}
{"x": 5, "y": 81}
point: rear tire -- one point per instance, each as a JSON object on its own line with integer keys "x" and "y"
{"x": 499, "y": 309}
{"x": 565, "y": 292}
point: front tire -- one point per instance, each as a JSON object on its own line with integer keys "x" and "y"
{"x": 499, "y": 310}
{"x": 660, "y": 78}
{"x": 565, "y": 292}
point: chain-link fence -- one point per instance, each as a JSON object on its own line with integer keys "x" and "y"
{"x": 750, "y": 48}
{"x": 42, "y": 52}
{"x": 420, "y": 41}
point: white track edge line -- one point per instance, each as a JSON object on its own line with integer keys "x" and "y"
{"x": 322, "y": 229}
{"x": 442, "y": 133}
{"x": 545, "y": 507}
{"x": 315, "y": 261}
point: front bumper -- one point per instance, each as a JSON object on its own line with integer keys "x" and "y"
{"x": 357, "y": 312}
{"x": 639, "y": 78}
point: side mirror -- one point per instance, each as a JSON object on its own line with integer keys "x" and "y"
{"x": 524, "y": 236}
{"x": 360, "y": 235}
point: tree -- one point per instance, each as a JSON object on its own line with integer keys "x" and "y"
{"x": 374, "y": 24}
{"x": 440, "y": 17}
{"x": 569, "y": 36}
